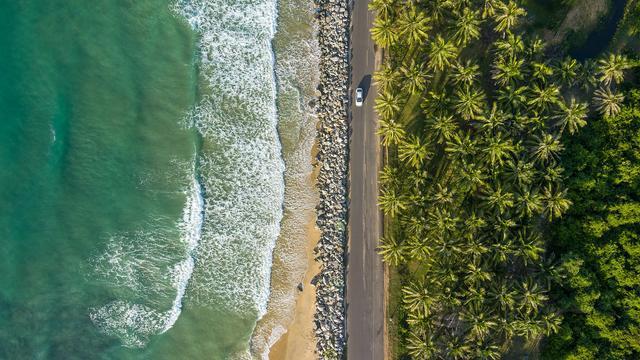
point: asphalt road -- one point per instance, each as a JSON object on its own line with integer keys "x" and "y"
{"x": 365, "y": 276}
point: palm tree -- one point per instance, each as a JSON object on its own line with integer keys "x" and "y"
{"x": 507, "y": 70}
{"x": 587, "y": 75}
{"x": 554, "y": 202}
{"x": 545, "y": 96}
{"x": 542, "y": 71}
{"x": 530, "y": 246}
{"x": 414, "y": 225}
{"x": 413, "y": 151}
{"x": 473, "y": 223}
{"x": 607, "y": 102}
{"x": 519, "y": 172}
{"x": 442, "y": 128}
{"x": 545, "y": 147}
{"x": 465, "y": 74}
{"x": 476, "y": 274}
{"x": 487, "y": 351}
{"x": 467, "y": 27}
{"x": 489, "y": 8}
{"x": 420, "y": 324}
{"x": 391, "y": 203}
{"x": 391, "y": 251}
{"x": 387, "y": 104}
{"x": 414, "y": 77}
{"x": 568, "y": 69}
{"x": 611, "y": 69}
{"x": 418, "y": 178}
{"x": 572, "y": 116}
{"x": 473, "y": 295}
{"x": 383, "y": 32}
{"x": 506, "y": 328}
{"x": 442, "y": 220}
{"x": 479, "y": 320}
{"x": 473, "y": 177}
{"x": 530, "y": 296}
{"x": 528, "y": 328}
{"x": 384, "y": 8}
{"x": 389, "y": 177}
{"x": 436, "y": 103}
{"x": 418, "y": 250}
{"x": 469, "y": 102}
{"x": 498, "y": 148}
{"x": 536, "y": 48}
{"x": 553, "y": 173}
{"x": 501, "y": 251}
{"x": 512, "y": 46}
{"x": 457, "y": 349}
{"x": 417, "y": 298}
{"x": 443, "y": 195}
{"x": 414, "y": 25}
{"x": 496, "y": 198}
{"x": 439, "y": 9}
{"x": 441, "y": 54}
{"x": 475, "y": 249}
{"x": 445, "y": 245}
{"x": 386, "y": 78}
{"x": 528, "y": 202}
{"x": 461, "y": 145}
{"x": 420, "y": 347}
{"x": 392, "y": 132}
{"x": 503, "y": 295}
{"x": 503, "y": 225}
{"x": 507, "y": 16}
{"x": 551, "y": 323}
{"x": 512, "y": 97}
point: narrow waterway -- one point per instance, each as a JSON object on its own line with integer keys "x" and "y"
{"x": 599, "y": 39}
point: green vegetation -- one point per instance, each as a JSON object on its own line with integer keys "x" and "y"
{"x": 472, "y": 114}
{"x": 600, "y": 242}
{"x": 628, "y": 33}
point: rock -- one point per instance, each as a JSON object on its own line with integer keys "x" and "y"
{"x": 332, "y": 17}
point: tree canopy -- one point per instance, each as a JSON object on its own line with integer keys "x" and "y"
{"x": 473, "y": 117}
{"x": 599, "y": 242}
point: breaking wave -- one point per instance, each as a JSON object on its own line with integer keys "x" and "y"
{"x": 240, "y": 160}
{"x": 235, "y": 206}
{"x": 152, "y": 268}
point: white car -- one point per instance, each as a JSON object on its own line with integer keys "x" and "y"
{"x": 359, "y": 97}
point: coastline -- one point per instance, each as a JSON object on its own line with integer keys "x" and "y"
{"x": 298, "y": 342}
{"x": 310, "y": 324}
{"x": 296, "y": 56}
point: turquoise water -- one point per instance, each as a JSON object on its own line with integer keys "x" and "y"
{"x": 141, "y": 179}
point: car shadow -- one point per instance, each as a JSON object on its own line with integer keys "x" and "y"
{"x": 365, "y": 85}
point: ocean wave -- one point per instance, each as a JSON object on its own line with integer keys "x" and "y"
{"x": 297, "y": 63}
{"x": 240, "y": 160}
{"x": 153, "y": 269}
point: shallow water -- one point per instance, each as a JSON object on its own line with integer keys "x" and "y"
{"x": 141, "y": 181}
{"x": 93, "y": 239}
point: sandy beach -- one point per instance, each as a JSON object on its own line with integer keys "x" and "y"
{"x": 299, "y": 341}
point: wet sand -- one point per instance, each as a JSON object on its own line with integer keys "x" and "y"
{"x": 299, "y": 341}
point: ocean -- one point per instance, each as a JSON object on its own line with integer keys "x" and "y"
{"x": 154, "y": 154}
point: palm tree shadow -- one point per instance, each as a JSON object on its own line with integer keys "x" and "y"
{"x": 365, "y": 85}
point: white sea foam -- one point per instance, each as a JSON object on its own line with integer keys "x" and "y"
{"x": 240, "y": 161}
{"x": 153, "y": 268}
{"x": 191, "y": 227}
{"x": 228, "y": 262}
{"x": 297, "y": 64}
